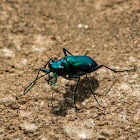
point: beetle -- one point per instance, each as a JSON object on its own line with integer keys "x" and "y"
{"x": 71, "y": 67}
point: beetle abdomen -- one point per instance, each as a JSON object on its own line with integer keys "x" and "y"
{"x": 81, "y": 63}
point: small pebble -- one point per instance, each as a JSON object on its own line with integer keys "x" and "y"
{"x": 105, "y": 132}
{"x": 35, "y": 49}
{"x": 7, "y": 99}
{"x": 77, "y": 131}
{"x": 28, "y": 127}
{"x": 132, "y": 59}
{"x": 64, "y": 81}
{"x": 90, "y": 123}
{"x": 25, "y": 114}
{"x": 80, "y": 25}
{"x": 7, "y": 53}
{"x": 86, "y": 26}
{"x": 47, "y": 87}
{"x": 23, "y": 61}
{"x": 1, "y": 133}
{"x": 124, "y": 86}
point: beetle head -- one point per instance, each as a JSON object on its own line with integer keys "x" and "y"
{"x": 54, "y": 66}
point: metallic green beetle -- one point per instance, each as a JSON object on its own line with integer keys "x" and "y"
{"x": 71, "y": 67}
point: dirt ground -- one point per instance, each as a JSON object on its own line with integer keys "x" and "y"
{"x": 32, "y": 32}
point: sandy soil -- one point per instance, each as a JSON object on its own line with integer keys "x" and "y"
{"x": 32, "y": 32}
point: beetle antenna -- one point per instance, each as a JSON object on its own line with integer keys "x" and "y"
{"x": 37, "y": 77}
{"x": 34, "y": 82}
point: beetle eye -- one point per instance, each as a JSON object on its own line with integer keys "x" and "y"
{"x": 50, "y": 66}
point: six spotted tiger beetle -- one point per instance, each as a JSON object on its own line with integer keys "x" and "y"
{"x": 71, "y": 67}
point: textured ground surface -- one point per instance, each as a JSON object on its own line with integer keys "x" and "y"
{"x": 32, "y": 32}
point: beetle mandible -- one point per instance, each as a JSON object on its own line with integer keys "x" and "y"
{"x": 71, "y": 67}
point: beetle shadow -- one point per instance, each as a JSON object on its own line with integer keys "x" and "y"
{"x": 83, "y": 92}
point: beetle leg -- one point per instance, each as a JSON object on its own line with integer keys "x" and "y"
{"x": 48, "y": 62}
{"x": 54, "y": 78}
{"x": 120, "y": 70}
{"x": 86, "y": 53}
{"x": 65, "y": 50}
{"x": 94, "y": 94}
{"x": 75, "y": 94}
{"x": 98, "y": 67}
